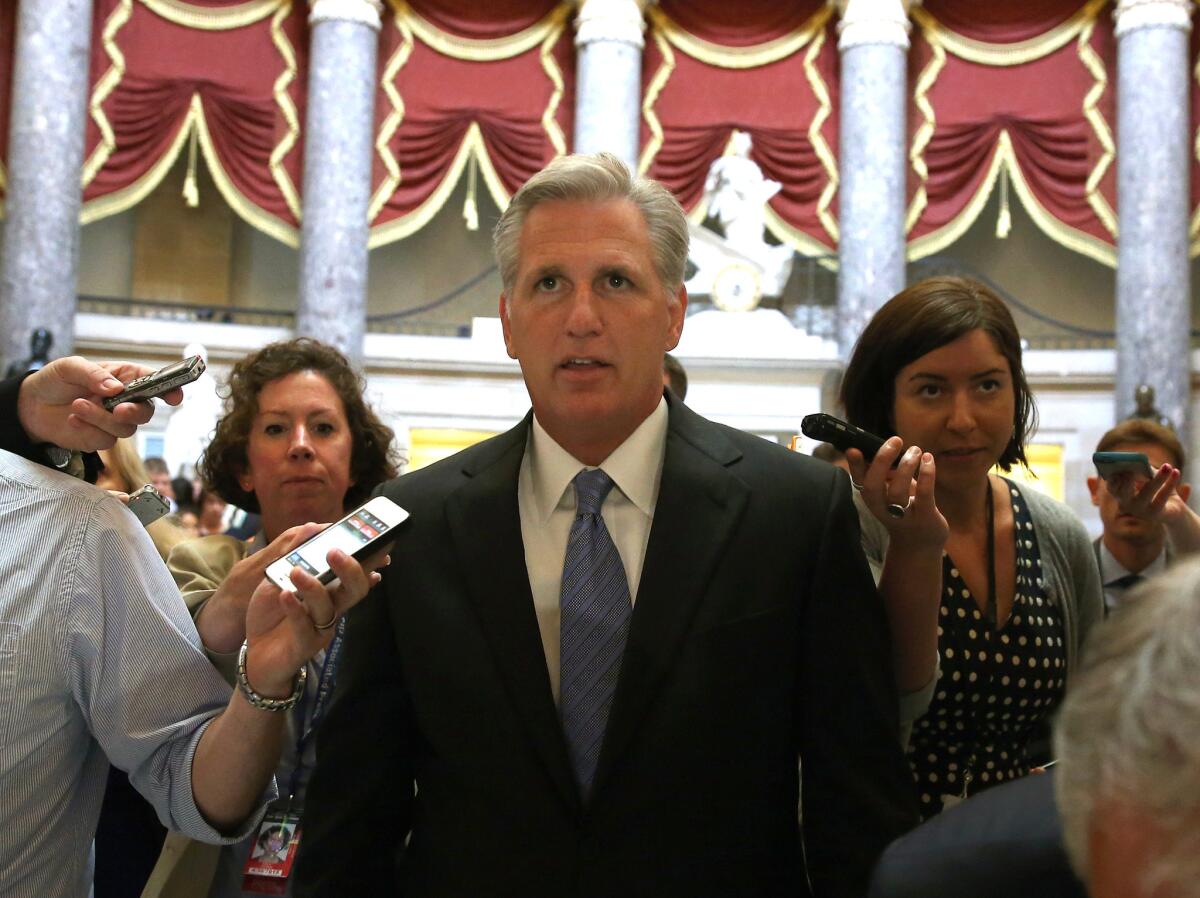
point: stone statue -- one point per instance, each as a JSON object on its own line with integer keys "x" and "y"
{"x": 1143, "y": 398}
{"x": 736, "y": 193}
{"x": 191, "y": 424}
{"x": 40, "y": 342}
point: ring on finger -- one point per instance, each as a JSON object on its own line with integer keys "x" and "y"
{"x": 896, "y": 511}
{"x": 333, "y": 618}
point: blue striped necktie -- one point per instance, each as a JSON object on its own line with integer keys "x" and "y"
{"x": 594, "y": 625}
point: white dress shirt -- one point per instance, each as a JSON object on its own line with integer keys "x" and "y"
{"x": 546, "y": 499}
{"x": 1112, "y": 570}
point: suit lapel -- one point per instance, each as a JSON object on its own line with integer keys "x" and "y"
{"x": 699, "y": 503}
{"x": 485, "y": 526}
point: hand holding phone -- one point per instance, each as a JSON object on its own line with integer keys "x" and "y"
{"x": 361, "y": 533}
{"x": 161, "y": 381}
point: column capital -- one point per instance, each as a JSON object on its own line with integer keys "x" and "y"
{"x": 610, "y": 20}
{"x": 364, "y": 12}
{"x": 1131, "y": 15}
{"x": 873, "y": 22}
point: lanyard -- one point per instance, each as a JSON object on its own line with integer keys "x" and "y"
{"x": 990, "y": 608}
{"x": 325, "y": 683}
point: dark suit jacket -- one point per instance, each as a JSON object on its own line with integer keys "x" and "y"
{"x": 1001, "y": 843}
{"x": 757, "y": 638}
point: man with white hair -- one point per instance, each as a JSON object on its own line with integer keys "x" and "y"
{"x": 615, "y": 631}
{"x": 1128, "y": 744}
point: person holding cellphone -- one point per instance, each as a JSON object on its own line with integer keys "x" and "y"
{"x": 997, "y": 579}
{"x": 1147, "y": 523}
{"x": 99, "y": 658}
{"x": 297, "y": 444}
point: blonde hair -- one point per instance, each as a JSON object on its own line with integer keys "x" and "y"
{"x": 123, "y": 464}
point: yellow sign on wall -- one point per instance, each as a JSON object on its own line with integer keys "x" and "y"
{"x": 430, "y": 444}
{"x": 1045, "y": 473}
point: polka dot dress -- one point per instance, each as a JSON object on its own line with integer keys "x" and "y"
{"x": 995, "y": 685}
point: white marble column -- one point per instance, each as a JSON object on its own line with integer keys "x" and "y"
{"x": 874, "y": 46}
{"x": 1153, "y": 297}
{"x": 45, "y": 159}
{"x": 339, "y": 130}
{"x": 608, "y": 79}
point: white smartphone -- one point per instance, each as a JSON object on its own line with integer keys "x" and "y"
{"x": 358, "y": 534}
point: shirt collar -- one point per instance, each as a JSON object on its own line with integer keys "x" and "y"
{"x": 1112, "y": 570}
{"x": 635, "y": 466}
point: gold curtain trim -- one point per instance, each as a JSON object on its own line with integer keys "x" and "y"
{"x": 1091, "y": 60}
{"x": 657, "y": 83}
{"x": 816, "y": 138}
{"x": 104, "y": 87}
{"x": 288, "y": 109}
{"x": 802, "y": 242}
{"x": 738, "y": 57}
{"x": 924, "y": 134}
{"x": 1072, "y": 238}
{"x": 129, "y": 196}
{"x": 472, "y": 145}
{"x": 392, "y": 123}
{"x": 249, "y": 211}
{"x": 554, "y": 73}
{"x": 206, "y": 18}
{"x": 1017, "y": 53}
{"x": 486, "y": 50}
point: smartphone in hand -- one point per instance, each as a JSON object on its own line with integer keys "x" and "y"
{"x": 1110, "y": 464}
{"x": 359, "y": 534}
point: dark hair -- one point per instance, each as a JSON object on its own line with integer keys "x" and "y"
{"x": 917, "y": 320}
{"x": 1143, "y": 430}
{"x": 676, "y": 375}
{"x": 372, "y": 456}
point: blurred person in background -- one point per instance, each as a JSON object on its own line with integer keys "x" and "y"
{"x": 160, "y": 479}
{"x": 1147, "y": 523}
{"x": 210, "y": 511}
{"x": 674, "y": 376}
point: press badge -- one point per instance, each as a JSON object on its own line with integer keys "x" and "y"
{"x": 272, "y": 854}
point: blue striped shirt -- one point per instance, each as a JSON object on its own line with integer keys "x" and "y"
{"x": 99, "y": 661}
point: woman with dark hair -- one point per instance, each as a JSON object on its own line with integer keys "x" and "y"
{"x": 998, "y": 580}
{"x": 297, "y": 444}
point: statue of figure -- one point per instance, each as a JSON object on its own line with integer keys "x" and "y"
{"x": 40, "y": 342}
{"x": 1143, "y": 398}
{"x": 737, "y": 195}
{"x": 190, "y": 427}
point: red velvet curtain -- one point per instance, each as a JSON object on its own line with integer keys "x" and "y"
{"x": 145, "y": 71}
{"x": 788, "y": 107}
{"x": 461, "y": 80}
{"x": 520, "y": 103}
{"x": 1060, "y": 140}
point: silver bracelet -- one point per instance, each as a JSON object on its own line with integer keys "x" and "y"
{"x": 261, "y": 702}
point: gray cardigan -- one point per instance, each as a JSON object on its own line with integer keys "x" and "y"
{"x": 1069, "y": 570}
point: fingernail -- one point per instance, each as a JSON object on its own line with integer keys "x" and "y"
{"x": 111, "y": 382}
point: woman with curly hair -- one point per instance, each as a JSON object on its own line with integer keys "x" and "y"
{"x": 297, "y": 444}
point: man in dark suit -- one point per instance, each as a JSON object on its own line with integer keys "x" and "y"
{"x": 1003, "y": 842}
{"x": 610, "y": 636}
